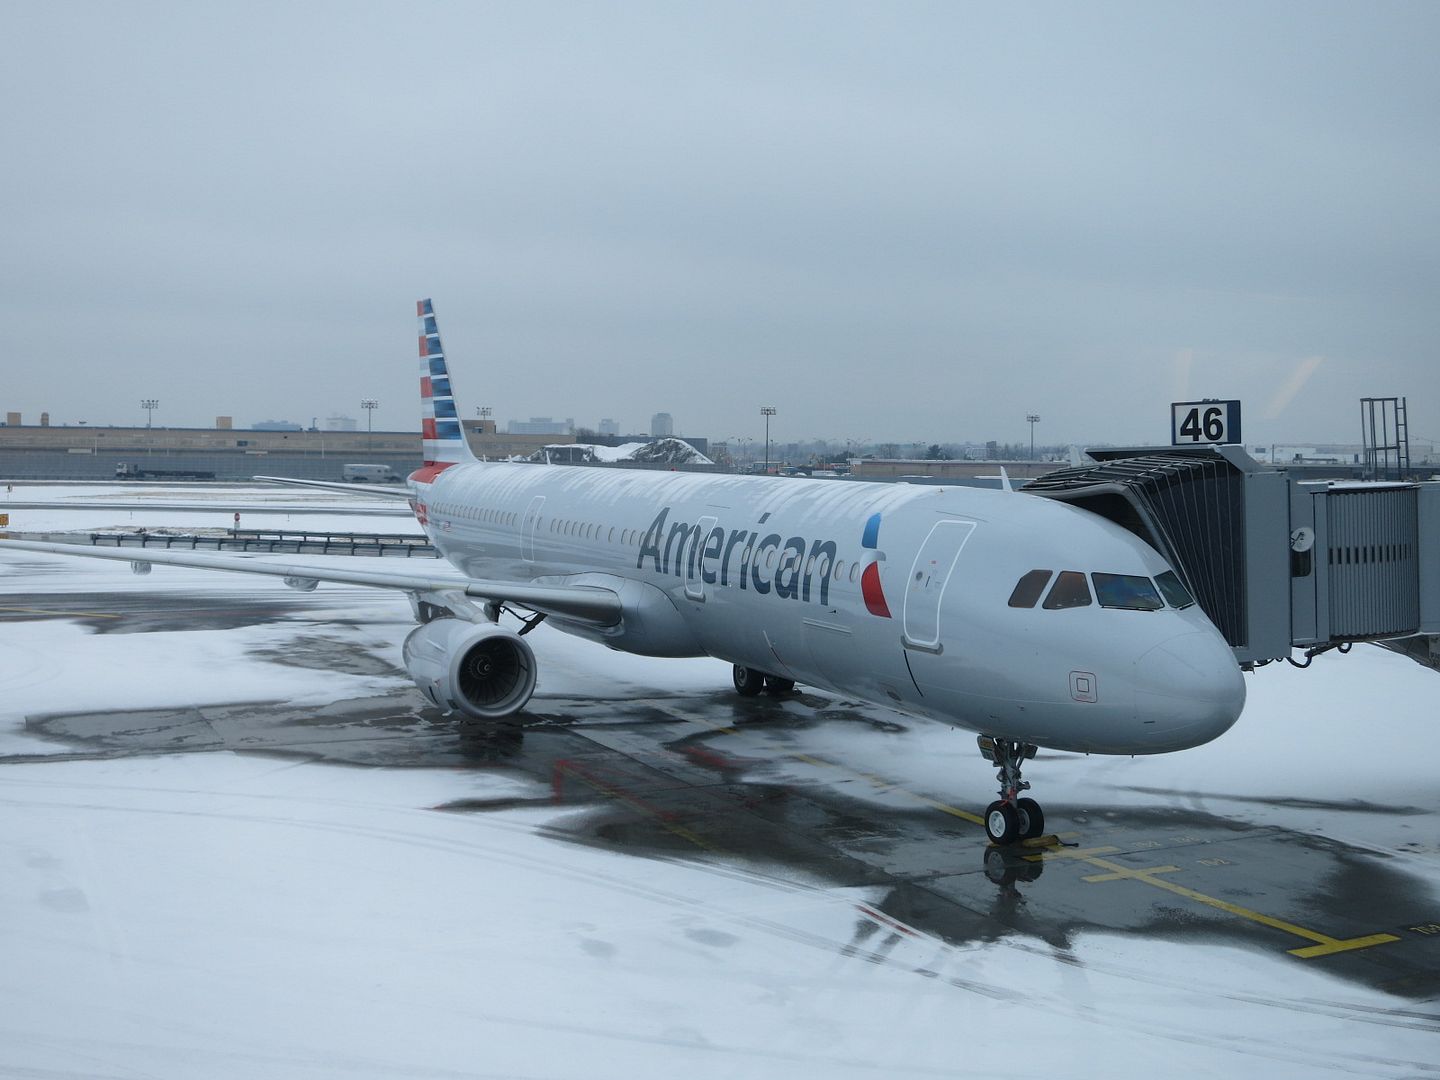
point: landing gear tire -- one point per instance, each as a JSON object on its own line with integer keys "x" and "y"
{"x": 1032, "y": 818}
{"x": 777, "y": 685}
{"x": 1010, "y": 817}
{"x": 1002, "y": 823}
{"x": 748, "y": 681}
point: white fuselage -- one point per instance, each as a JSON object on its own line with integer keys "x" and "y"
{"x": 772, "y": 574}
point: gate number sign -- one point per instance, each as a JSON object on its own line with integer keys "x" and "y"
{"x": 1194, "y": 423}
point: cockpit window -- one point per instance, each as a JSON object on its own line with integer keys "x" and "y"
{"x": 1029, "y": 588}
{"x": 1069, "y": 591}
{"x": 1127, "y": 591}
{"x": 1176, "y": 595}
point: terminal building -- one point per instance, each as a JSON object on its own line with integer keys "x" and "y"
{"x": 90, "y": 452}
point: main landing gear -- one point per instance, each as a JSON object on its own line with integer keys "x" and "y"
{"x": 750, "y": 681}
{"x": 1009, "y": 818}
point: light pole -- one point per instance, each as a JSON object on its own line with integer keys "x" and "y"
{"x": 1033, "y": 419}
{"x": 149, "y": 404}
{"x": 369, "y": 404}
{"x": 767, "y": 411}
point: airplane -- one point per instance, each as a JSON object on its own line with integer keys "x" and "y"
{"x": 1030, "y": 622}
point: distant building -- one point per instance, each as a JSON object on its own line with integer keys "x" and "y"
{"x": 662, "y": 425}
{"x": 609, "y": 427}
{"x": 541, "y": 425}
{"x": 276, "y": 425}
{"x": 340, "y": 423}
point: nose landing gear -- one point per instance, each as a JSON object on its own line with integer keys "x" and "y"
{"x": 1010, "y": 818}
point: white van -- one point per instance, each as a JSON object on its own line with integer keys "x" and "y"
{"x": 369, "y": 474}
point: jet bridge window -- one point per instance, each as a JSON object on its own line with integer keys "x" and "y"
{"x": 1176, "y": 595}
{"x": 1028, "y": 589}
{"x": 1127, "y": 591}
{"x": 1069, "y": 591}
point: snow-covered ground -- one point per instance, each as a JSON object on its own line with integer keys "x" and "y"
{"x": 219, "y": 915}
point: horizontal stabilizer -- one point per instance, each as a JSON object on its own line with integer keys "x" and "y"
{"x": 384, "y": 491}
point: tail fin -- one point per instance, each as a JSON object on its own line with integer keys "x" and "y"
{"x": 443, "y": 439}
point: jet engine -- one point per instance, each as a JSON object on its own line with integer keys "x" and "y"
{"x": 481, "y": 669}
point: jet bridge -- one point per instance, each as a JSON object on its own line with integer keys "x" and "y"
{"x": 1278, "y": 564}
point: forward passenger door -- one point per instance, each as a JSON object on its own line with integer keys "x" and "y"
{"x": 929, "y": 576}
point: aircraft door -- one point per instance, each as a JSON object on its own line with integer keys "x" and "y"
{"x": 528, "y": 528}
{"x": 928, "y": 578}
{"x": 695, "y": 565}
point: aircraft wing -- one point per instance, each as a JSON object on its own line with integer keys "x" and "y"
{"x": 582, "y": 602}
{"x": 385, "y": 491}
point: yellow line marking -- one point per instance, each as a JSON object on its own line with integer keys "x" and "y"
{"x": 890, "y": 785}
{"x": 946, "y": 808}
{"x": 1332, "y": 946}
{"x": 1120, "y": 876}
{"x": 1057, "y": 852}
{"x": 46, "y": 611}
{"x": 1325, "y": 945}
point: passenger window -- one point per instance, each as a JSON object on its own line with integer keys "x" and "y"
{"x": 1176, "y": 595}
{"x": 1029, "y": 588}
{"x": 1128, "y": 591}
{"x": 839, "y": 569}
{"x": 1069, "y": 591}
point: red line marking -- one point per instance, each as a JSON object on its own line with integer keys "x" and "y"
{"x": 887, "y": 921}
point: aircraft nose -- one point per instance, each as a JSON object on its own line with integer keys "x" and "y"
{"x": 1189, "y": 690}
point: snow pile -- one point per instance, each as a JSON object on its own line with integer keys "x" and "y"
{"x": 656, "y": 452}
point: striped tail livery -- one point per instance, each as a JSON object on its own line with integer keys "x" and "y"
{"x": 443, "y": 440}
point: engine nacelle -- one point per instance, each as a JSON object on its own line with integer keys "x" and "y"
{"x": 481, "y": 669}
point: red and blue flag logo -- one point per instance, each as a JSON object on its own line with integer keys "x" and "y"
{"x": 870, "y": 590}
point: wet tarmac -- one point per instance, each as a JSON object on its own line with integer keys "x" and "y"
{"x": 691, "y": 776}
{"x": 144, "y": 613}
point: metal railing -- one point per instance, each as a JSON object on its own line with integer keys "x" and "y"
{"x": 278, "y": 541}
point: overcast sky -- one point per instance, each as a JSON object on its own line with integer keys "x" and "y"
{"x": 898, "y": 221}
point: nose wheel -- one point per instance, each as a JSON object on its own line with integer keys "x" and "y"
{"x": 1011, "y": 817}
